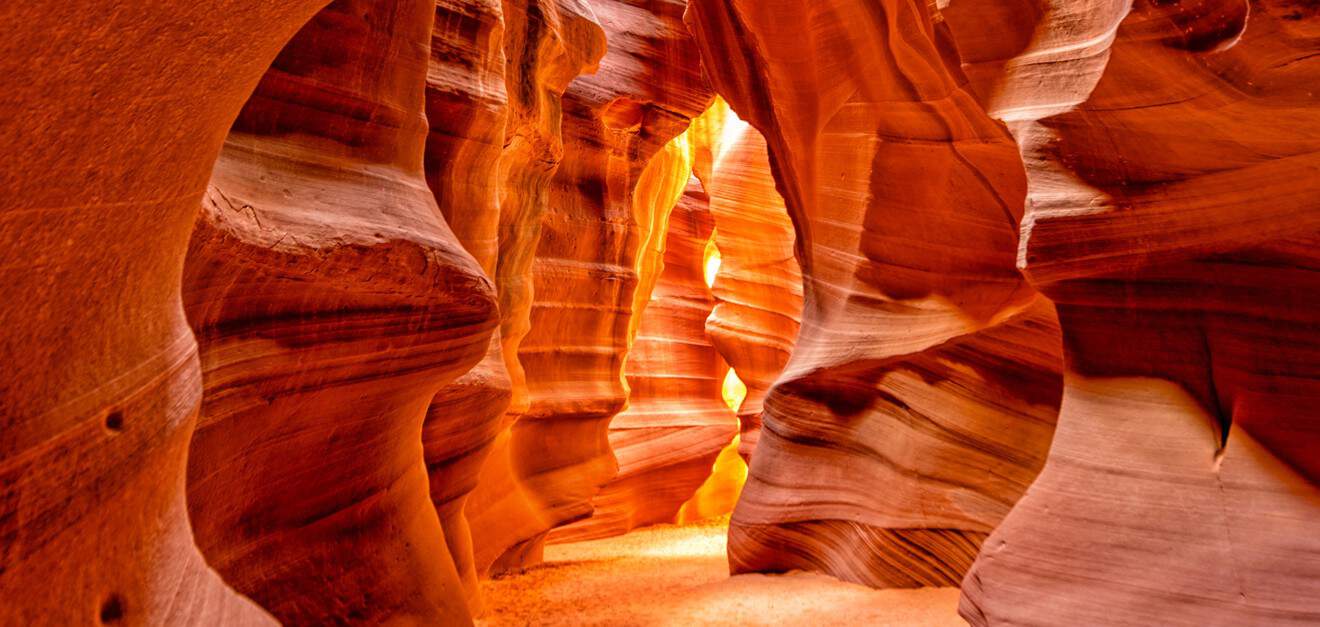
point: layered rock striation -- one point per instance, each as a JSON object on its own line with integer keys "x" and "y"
{"x": 471, "y": 275}
{"x": 921, "y": 393}
{"x": 606, "y": 205}
{"x": 676, "y": 423}
{"x": 331, "y": 302}
{"x": 111, "y": 120}
{"x": 547, "y": 43}
{"x": 467, "y": 108}
{"x": 1172, "y": 217}
{"x": 758, "y": 288}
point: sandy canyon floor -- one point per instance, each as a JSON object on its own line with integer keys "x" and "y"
{"x": 672, "y": 575}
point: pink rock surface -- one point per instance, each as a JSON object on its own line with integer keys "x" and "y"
{"x": 1172, "y": 216}
{"x": 920, "y": 396}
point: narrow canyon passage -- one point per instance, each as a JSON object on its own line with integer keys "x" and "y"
{"x": 660, "y": 312}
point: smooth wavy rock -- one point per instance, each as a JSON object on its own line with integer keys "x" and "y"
{"x": 547, "y": 43}
{"x": 676, "y": 422}
{"x": 920, "y": 397}
{"x": 331, "y": 302}
{"x": 604, "y": 206}
{"x": 758, "y": 289}
{"x": 467, "y": 107}
{"x": 1173, "y": 217}
{"x": 112, "y": 119}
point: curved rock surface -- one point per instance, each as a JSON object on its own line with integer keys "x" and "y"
{"x": 924, "y": 364}
{"x": 448, "y": 297}
{"x": 605, "y": 203}
{"x": 676, "y": 422}
{"x": 758, "y": 289}
{"x": 547, "y": 43}
{"x": 331, "y": 302}
{"x": 1173, "y": 218}
{"x": 467, "y": 107}
{"x": 111, "y": 120}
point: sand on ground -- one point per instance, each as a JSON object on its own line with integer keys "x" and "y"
{"x": 678, "y": 575}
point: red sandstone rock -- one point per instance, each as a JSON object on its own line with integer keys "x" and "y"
{"x": 758, "y": 289}
{"x": 676, "y": 422}
{"x": 1168, "y": 164}
{"x": 467, "y": 108}
{"x": 920, "y": 396}
{"x": 1173, "y": 218}
{"x": 547, "y": 44}
{"x": 602, "y": 209}
{"x": 331, "y": 303}
{"x": 111, "y": 119}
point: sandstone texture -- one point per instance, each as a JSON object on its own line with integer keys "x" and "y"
{"x": 921, "y": 393}
{"x": 467, "y": 108}
{"x": 1173, "y": 218}
{"x": 111, "y": 121}
{"x": 331, "y": 302}
{"x": 605, "y": 210}
{"x": 547, "y": 43}
{"x": 677, "y": 422}
{"x": 328, "y": 312}
{"x": 758, "y": 288}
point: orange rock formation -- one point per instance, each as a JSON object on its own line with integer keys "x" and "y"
{"x": 605, "y": 203}
{"x": 467, "y": 107}
{"x": 547, "y": 43}
{"x": 111, "y": 121}
{"x": 758, "y": 289}
{"x": 924, "y": 364}
{"x": 331, "y": 303}
{"x": 676, "y": 423}
{"x": 440, "y": 279}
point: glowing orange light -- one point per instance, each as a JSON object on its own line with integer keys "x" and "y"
{"x": 713, "y": 261}
{"x": 717, "y": 496}
{"x": 734, "y": 390}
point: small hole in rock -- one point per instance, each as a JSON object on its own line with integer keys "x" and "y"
{"x": 114, "y": 421}
{"x": 112, "y": 610}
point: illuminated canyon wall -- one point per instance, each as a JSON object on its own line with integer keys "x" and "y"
{"x": 919, "y": 399}
{"x": 603, "y": 215}
{"x": 326, "y": 327}
{"x": 758, "y": 289}
{"x": 1174, "y": 220}
{"x": 676, "y": 422}
{"x": 1178, "y": 489}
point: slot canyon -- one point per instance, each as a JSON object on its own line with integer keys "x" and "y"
{"x": 660, "y": 312}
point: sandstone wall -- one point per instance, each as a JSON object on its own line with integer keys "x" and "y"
{"x": 603, "y": 211}
{"x": 331, "y": 302}
{"x": 920, "y": 396}
{"x": 1172, "y": 216}
{"x": 112, "y": 120}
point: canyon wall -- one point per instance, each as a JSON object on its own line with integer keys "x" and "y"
{"x": 547, "y": 43}
{"x": 676, "y": 423}
{"x": 331, "y": 302}
{"x": 1173, "y": 218}
{"x": 467, "y": 107}
{"x": 921, "y": 393}
{"x": 606, "y": 204}
{"x": 112, "y": 120}
{"x": 758, "y": 289}
{"x": 449, "y": 296}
